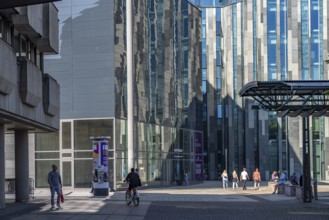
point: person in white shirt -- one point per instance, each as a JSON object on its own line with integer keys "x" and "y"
{"x": 244, "y": 177}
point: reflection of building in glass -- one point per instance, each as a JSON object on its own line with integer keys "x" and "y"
{"x": 91, "y": 69}
{"x": 260, "y": 40}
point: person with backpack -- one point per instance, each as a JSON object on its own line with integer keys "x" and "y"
{"x": 133, "y": 180}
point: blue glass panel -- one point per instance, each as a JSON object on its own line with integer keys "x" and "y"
{"x": 204, "y": 86}
{"x": 186, "y": 27}
{"x": 204, "y": 31}
{"x": 204, "y": 74}
{"x": 153, "y": 63}
{"x": 218, "y": 72}
{"x": 204, "y": 61}
{"x": 204, "y": 13}
{"x": 218, "y": 43}
{"x": 218, "y": 59}
{"x": 219, "y": 111}
{"x": 272, "y": 72}
{"x": 152, "y": 33}
{"x": 315, "y": 53}
{"x": 204, "y": 46}
{"x": 271, "y": 14}
{"x": 219, "y": 83}
{"x": 305, "y": 74}
{"x": 271, "y": 39}
{"x": 218, "y": 28}
{"x": 315, "y": 73}
{"x": 218, "y": 14}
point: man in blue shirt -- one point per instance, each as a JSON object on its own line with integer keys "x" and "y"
{"x": 55, "y": 183}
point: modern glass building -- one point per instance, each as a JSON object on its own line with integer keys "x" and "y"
{"x": 91, "y": 68}
{"x": 249, "y": 40}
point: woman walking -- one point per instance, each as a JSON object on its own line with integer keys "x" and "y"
{"x": 225, "y": 179}
{"x": 235, "y": 180}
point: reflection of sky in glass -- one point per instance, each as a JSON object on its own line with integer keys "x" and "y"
{"x": 70, "y": 9}
{"x": 315, "y": 43}
{"x": 209, "y": 3}
{"x": 271, "y": 39}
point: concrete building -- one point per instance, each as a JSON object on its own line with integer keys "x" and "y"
{"x": 29, "y": 96}
{"x": 260, "y": 40}
{"x": 91, "y": 68}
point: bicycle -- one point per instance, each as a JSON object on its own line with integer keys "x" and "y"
{"x": 132, "y": 199}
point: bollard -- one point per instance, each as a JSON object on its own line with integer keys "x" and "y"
{"x": 315, "y": 186}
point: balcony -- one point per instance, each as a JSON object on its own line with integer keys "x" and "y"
{"x": 30, "y": 82}
{"x": 50, "y": 95}
{"x": 29, "y": 21}
{"x": 8, "y": 68}
{"x": 40, "y": 24}
{"x": 48, "y": 42}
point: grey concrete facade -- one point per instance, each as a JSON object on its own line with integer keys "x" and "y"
{"x": 29, "y": 98}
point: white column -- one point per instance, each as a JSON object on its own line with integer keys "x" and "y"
{"x": 2, "y": 167}
{"x": 130, "y": 83}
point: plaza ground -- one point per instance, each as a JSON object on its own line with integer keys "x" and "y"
{"x": 199, "y": 201}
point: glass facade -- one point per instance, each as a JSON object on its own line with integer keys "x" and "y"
{"x": 167, "y": 86}
{"x": 272, "y": 39}
{"x": 167, "y": 90}
{"x": 76, "y": 160}
{"x": 282, "y": 50}
{"x": 283, "y": 40}
{"x": 304, "y": 39}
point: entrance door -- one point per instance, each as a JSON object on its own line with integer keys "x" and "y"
{"x": 66, "y": 143}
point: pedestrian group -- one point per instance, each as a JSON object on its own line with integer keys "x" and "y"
{"x": 278, "y": 177}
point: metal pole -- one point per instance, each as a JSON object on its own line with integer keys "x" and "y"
{"x": 130, "y": 83}
{"x": 307, "y": 188}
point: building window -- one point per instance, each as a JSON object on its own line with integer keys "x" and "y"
{"x": 84, "y": 129}
{"x": 66, "y": 135}
{"x": 6, "y": 31}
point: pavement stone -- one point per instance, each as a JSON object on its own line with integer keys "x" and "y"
{"x": 199, "y": 201}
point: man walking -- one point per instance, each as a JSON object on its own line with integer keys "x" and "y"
{"x": 55, "y": 183}
{"x": 244, "y": 177}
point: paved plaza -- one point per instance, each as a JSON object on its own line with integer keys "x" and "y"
{"x": 200, "y": 201}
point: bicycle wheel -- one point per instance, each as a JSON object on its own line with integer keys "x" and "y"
{"x": 135, "y": 199}
{"x": 128, "y": 198}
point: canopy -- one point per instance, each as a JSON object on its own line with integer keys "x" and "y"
{"x": 292, "y": 98}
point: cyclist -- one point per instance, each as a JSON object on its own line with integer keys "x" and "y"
{"x": 133, "y": 180}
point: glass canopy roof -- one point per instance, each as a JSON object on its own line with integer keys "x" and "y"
{"x": 291, "y": 98}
